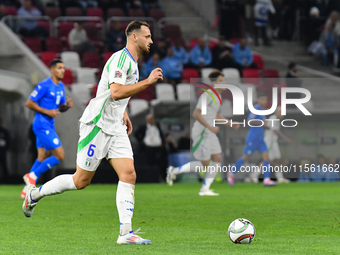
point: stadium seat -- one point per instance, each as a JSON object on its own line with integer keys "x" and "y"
{"x": 136, "y": 13}
{"x": 54, "y": 44}
{"x": 91, "y": 60}
{"x": 73, "y": 11}
{"x": 95, "y": 12}
{"x": 251, "y": 76}
{"x": 71, "y": 59}
{"x": 34, "y": 44}
{"x": 186, "y": 92}
{"x": 86, "y": 75}
{"x": 146, "y": 94}
{"x": 115, "y": 12}
{"x": 52, "y": 12}
{"x": 234, "y": 40}
{"x": 65, "y": 28}
{"x": 271, "y": 79}
{"x": 157, "y": 14}
{"x": 193, "y": 42}
{"x": 11, "y": 10}
{"x": 189, "y": 73}
{"x": 91, "y": 30}
{"x": 227, "y": 108}
{"x": 232, "y": 75}
{"x": 165, "y": 92}
{"x": 258, "y": 60}
{"x": 45, "y": 24}
{"x": 137, "y": 106}
{"x": 47, "y": 57}
{"x": 82, "y": 92}
{"x": 106, "y": 56}
{"x": 68, "y": 77}
{"x": 212, "y": 44}
{"x": 270, "y": 73}
{"x": 172, "y": 31}
{"x": 206, "y": 71}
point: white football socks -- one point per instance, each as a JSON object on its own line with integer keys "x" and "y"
{"x": 211, "y": 174}
{"x": 55, "y": 186}
{"x": 125, "y": 201}
{"x": 188, "y": 167}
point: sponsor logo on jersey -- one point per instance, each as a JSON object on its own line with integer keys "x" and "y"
{"x": 135, "y": 72}
{"x": 118, "y": 74}
{"x": 52, "y": 93}
{"x": 34, "y": 93}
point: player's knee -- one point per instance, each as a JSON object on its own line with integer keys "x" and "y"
{"x": 60, "y": 155}
{"x": 129, "y": 176}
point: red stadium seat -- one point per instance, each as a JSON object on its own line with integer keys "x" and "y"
{"x": 115, "y": 12}
{"x": 91, "y": 30}
{"x": 136, "y": 13}
{"x": 73, "y": 11}
{"x": 270, "y": 73}
{"x": 34, "y": 44}
{"x": 188, "y": 73}
{"x": 172, "y": 31}
{"x": 44, "y": 24}
{"x": 258, "y": 60}
{"x": 91, "y": 60}
{"x": 47, "y": 57}
{"x": 251, "y": 76}
{"x": 234, "y": 40}
{"x": 94, "y": 90}
{"x": 95, "y": 12}
{"x": 193, "y": 42}
{"x": 68, "y": 77}
{"x": 146, "y": 94}
{"x": 11, "y": 10}
{"x": 212, "y": 44}
{"x": 52, "y": 12}
{"x": 54, "y": 44}
{"x": 106, "y": 56}
{"x": 65, "y": 28}
{"x": 157, "y": 14}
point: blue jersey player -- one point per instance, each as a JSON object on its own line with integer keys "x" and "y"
{"x": 255, "y": 141}
{"x": 47, "y": 100}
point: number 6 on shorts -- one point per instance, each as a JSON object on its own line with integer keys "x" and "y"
{"x": 90, "y": 152}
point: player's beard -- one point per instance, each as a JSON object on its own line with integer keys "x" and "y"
{"x": 143, "y": 49}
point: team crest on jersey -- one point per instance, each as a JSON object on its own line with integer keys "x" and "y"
{"x": 88, "y": 161}
{"x": 34, "y": 93}
{"x": 118, "y": 74}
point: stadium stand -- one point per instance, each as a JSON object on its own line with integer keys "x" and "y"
{"x": 34, "y": 44}
{"x": 206, "y": 71}
{"x": 73, "y": 11}
{"x": 258, "y": 60}
{"x": 86, "y": 75}
{"x": 165, "y": 92}
{"x": 115, "y": 12}
{"x": 53, "y": 12}
{"x": 185, "y": 92}
{"x": 54, "y": 44}
{"x": 68, "y": 77}
{"x": 91, "y": 60}
{"x": 71, "y": 59}
{"x": 138, "y": 105}
{"x": 47, "y": 57}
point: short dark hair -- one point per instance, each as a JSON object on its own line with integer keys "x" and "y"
{"x": 135, "y": 25}
{"x": 214, "y": 75}
{"x": 291, "y": 65}
{"x": 54, "y": 62}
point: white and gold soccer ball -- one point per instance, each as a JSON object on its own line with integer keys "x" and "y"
{"x": 241, "y": 231}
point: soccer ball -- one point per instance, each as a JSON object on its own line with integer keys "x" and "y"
{"x": 241, "y": 231}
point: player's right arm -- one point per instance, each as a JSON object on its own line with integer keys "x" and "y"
{"x": 120, "y": 91}
{"x": 198, "y": 116}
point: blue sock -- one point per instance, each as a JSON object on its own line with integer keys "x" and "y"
{"x": 46, "y": 165}
{"x": 266, "y": 170}
{"x": 36, "y": 164}
{"x": 238, "y": 164}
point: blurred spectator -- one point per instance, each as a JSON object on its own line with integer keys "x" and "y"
{"x": 313, "y": 25}
{"x": 78, "y": 40}
{"x": 179, "y": 52}
{"x": 135, "y": 4}
{"x": 154, "y": 62}
{"x": 242, "y": 55}
{"x": 170, "y": 144}
{"x": 15, "y": 3}
{"x": 4, "y": 146}
{"x": 87, "y": 4}
{"x": 292, "y": 70}
{"x": 151, "y": 4}
{"x": 261, "y": 10}
{"x": 275, "y": 19}
{"x": 200, "y": 55}
{"x": 172, "y": 67}
{"x": 184, "y": 142}
{"x": 334, "y": 19}
{"x": 2, "y": 10}
{"x": 116, "y": 38}
{"x": 292, "y": 81}
{"x": 248, "y": 16}
{"x": 221, "y": 55}
{"x": 288, "y": 16}
{"x": 330, "y": 41}
{"x": 142, "y": 68}
{"x": 30, "y": 28}
{"x": 228, "y": 14}
{"x": 50, "y": 2}
{"x": 151, "y": 139}
{"x": 161, "y": 48}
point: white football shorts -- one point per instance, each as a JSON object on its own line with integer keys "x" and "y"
{"x": 94, "y": 145}
{"x": 273, "y": 150}
{"x": 204, "y": 145}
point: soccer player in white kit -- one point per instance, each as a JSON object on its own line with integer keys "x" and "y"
{"x": 104, "y": 130}
{"x": 206, "y": 146}
{"x": 271, "y": 136}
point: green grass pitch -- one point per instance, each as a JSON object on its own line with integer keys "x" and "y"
{"x": 289, "y": 219}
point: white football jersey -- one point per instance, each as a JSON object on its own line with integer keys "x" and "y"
{"x": 102, "y": 110}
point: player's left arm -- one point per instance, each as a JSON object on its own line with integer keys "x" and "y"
{"x": 127, "y": 123}
{"x": 234, "y": 126}
{"x": 67, "y": 105}
{"x": 286, "y": 138}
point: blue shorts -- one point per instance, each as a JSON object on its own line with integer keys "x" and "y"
{"x": 47, "y": 139}
{"x": 252, "y": 146}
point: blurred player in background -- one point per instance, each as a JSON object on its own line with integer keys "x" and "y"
{"x": 255, "y": 141}
{"x": 104, "y": 130}
{"x": 47, "y": 100}
{"x": 271, "y": 136}
{"x": 206, "y": 146}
